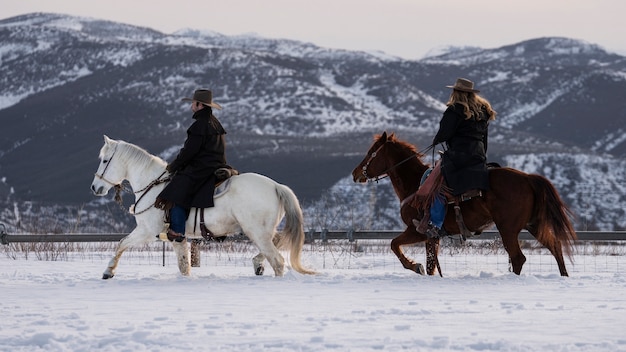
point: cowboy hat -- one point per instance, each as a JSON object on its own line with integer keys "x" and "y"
{"x": 205, "y": 97}
{"x": 464, "y": 85}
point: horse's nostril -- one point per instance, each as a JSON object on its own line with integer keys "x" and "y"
{"x": 96, "y": 190}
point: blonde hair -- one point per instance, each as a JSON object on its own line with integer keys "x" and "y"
{"x": 473, "y": 104}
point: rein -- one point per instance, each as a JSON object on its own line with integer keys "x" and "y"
{"x": 153, "y": 183}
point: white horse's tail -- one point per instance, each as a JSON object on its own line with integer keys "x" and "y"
{"x": 293, "y": 233}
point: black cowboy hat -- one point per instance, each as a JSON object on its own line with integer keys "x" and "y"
{"x": 205, "y": 97}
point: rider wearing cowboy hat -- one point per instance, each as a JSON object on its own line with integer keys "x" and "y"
{"x": 463, "y": 130}
{"x": 193, "y": 181}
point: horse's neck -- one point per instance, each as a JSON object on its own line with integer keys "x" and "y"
{"x": 406, "y": 180}
{"x": 141, "y": 178}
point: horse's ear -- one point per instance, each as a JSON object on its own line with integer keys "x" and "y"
{"x": 392, "y": 135}
{"x": 384, "y": 136}
{"x": 107, "y": 140}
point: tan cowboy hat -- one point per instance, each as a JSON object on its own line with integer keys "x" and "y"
{"x": 205, "y": 97}
{"x": 464, "y": 85}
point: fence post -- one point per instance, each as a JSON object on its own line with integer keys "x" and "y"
{"x": 3, "y": 234}
{"x": 323, "y": 235}
{"x": 350, "y": 234}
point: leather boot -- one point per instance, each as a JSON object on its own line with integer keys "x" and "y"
{"x": 171, "y": 236}
{"x": 174, "y": 236}
{"x": 422, "y": 225}
{"x": 436, "y": 232}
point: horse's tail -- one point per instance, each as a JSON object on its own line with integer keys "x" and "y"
{"x": 552, "y": 216}
{"x": 293, "y": 232}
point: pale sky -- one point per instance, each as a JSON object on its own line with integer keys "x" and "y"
{"x": 405, "y": 28}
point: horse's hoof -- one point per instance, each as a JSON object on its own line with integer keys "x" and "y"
{"x": 259, "y": 270}
{"x": 419, "y": 268}
{"x": 106, "y": 276}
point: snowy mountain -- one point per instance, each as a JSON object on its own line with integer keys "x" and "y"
{"x": 301, "y": 114}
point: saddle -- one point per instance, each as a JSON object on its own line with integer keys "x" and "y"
{"x": 433, "y": 185}
{"x": 224, "y": 173}
{"x": 222, "y": 185}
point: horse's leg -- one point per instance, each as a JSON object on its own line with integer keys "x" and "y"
{"x": 554, "y": 246}
{"x": 109, "y": 272}
{"x": 275, "y": 259}
{"x": 132, "y": 239}
{"x": 257, "y": 262}
{"x": 183, "y": 256}
{"x": 432, "y": 252}
{"x": 267, "y": 249}
{"x": 508, "y": 204}
{"x": 511, "y": 245}
{"x": 557, "y": 252}
{"x": 409, "y": 236}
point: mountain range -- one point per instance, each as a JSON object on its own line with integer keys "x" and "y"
{"x": 301, "y": 114}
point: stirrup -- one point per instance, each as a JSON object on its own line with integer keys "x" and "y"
{"x": 435, "y": 232}
{"x": 171, "y": 236}
{"x": 422, "y": 225}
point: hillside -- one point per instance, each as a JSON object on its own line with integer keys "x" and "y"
{"x": 301, "y": 114}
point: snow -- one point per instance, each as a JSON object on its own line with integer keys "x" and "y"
{"x": 357, "y": 302}
{"x": 525, "y": 111}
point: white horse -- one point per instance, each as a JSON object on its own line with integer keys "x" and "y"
{"x": 254, "y": 205}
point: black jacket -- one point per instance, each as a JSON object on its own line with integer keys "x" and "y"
{"x": 464, "y": 162}
{"x": 203, "y": 152}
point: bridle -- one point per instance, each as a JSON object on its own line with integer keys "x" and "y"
{"x": 367, "y": 164}
{"x": 386, "y": 172}
{"x": 101, "y": 176}
{"x": 119, "y": 187}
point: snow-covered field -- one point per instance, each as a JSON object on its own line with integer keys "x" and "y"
{"x": 359, "y": 301}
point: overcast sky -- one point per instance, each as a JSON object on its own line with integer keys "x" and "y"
{"x": 406, "y": 28}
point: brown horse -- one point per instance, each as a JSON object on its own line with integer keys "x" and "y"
{"x": 514, "y": 201}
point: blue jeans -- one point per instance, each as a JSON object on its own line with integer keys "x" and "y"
{"x": 438, "y": 211}
{"x": 178, "y": 218}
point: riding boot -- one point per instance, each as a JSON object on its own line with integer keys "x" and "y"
{"x": 176, "y": 231}
{"x": 174, "y": 236}
{"x": 422, "y": 225}
{"x": 436, "y": 232}
{"x": 171, "y": 236}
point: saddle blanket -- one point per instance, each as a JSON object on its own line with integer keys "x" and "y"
{"x": 222, "y": 188}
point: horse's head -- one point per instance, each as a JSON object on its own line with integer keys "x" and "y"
{"x": 375, "y": 163}
{"x": 389, "y": 156}
{"x": 109, "y": 173}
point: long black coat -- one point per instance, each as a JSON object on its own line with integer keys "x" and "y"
{"x": 203, "y": 152}
{"x": 464, "y": 162}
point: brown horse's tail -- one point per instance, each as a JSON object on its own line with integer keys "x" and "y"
{"x": 552, "y": 217}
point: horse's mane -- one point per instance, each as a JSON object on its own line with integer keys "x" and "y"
{"x": 410, "y": 148}
{"x": 140, "y": 156}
